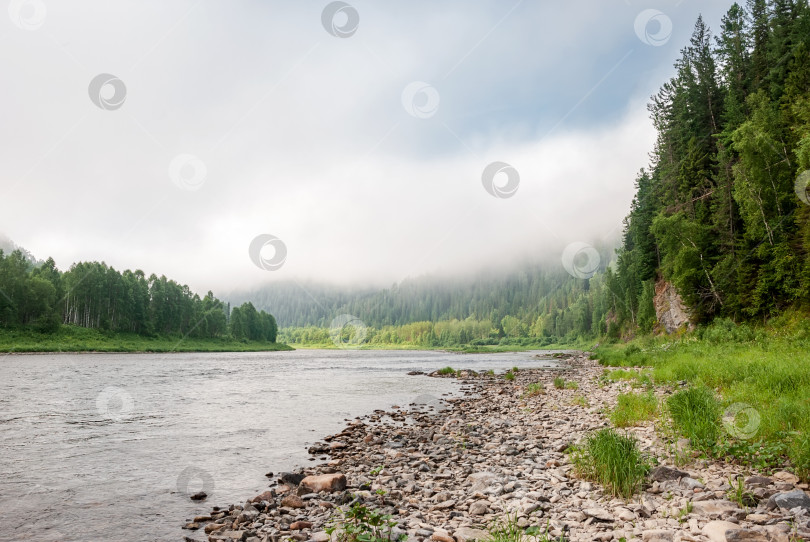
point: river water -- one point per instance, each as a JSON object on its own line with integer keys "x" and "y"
{"x": 97, "y": 447}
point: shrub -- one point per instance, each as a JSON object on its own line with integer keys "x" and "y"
{"x": 633, "y": 408}
{"x": 612, "y": 460}
{"x": 695, "y": 413}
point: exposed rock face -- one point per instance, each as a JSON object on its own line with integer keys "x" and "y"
{"x": 670, "y": 309}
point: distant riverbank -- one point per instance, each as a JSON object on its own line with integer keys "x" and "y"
{"x": 78, "y": 339}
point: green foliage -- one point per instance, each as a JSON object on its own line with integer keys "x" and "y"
{"x": 93, "y": 295}
{"x": 362, "y": 524}
{"x": 632, "y": 408}
{"x": 695, "y": 413}
{"x": 508, "y": 530}
{"x": 612, "y": 460}
{"x": 571, "y": 385}
{"x": 535, "y": 388}
{"x": 800, "y": 456}
{"x": 446, "y": 371}
{"x": 739, "y": 494}
{"x": 559, "y": 382}
{"x": 509, "y": 375}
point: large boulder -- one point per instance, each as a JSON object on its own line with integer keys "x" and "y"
{"x": 790, "y": 500}
{"x": 324, "y": 482}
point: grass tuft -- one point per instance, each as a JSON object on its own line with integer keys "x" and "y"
{"x": 446, "y": 371}
{"x": 509, "y": 375}
{"x": 633, "y": 408}
{"x": 559, "y": 382}
{"x": 612, "y": 460}
{"x": 535, "y": 388}
{"x": 800, "y": 456}
{"x": 695, "y": 413}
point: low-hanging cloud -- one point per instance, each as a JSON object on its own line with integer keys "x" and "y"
{"x": 363, "y": 154}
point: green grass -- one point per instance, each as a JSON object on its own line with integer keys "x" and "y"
{"x": 79, "y": 339}
{"x": 612, "y": 460}
{"x": 509, "y": 375}
{"x": 800, "y": 456}
{"x": 446, "y": 371}
{"x": 571, "y": 385}
{"x": 580, "y": 400}
{"x": 559, "y": 382}
{"x": 535, "y": 388}
{"x": 695, "y": 414}
{"x": 766, "y": 368}
{"x": 633, "y": 408}
{"x": 508, "y": 530}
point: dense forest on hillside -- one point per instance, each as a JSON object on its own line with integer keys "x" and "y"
{"x": 722, "y": 211}
{"x": 36, "y": 295}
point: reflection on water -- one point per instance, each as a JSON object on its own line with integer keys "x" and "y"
{"x": 110, "y": 446}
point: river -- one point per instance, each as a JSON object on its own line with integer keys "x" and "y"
{"x": 97, "y": 447}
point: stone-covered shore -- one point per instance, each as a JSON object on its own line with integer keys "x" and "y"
{"x": 447, "y": 473}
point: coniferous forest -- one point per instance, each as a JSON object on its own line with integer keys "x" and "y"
{"x": 721, "y": 212}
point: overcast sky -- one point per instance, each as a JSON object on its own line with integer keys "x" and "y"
{"x": 360, "y": 147}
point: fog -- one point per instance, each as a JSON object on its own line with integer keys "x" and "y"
{"x": 355, "y": 138}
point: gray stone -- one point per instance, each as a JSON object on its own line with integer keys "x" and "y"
{"x": 598, "y": 513}
{"x": 744, "y": 535}
{"x": 716, "y": 530}
{"x": 664, "y": 474}
{"x": 789, "y": 500}
{"x": 658, "y": 535}
{"x": 479, "y": 508}
{"x": 468, "y": 534}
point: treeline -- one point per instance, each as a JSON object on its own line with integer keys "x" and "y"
{"x": 96, "y": 296}
{"x": 722, "y": 211}
{"x": 532, "y": 302}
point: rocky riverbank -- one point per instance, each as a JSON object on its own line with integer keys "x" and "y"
{"x": 447, "y": 470}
